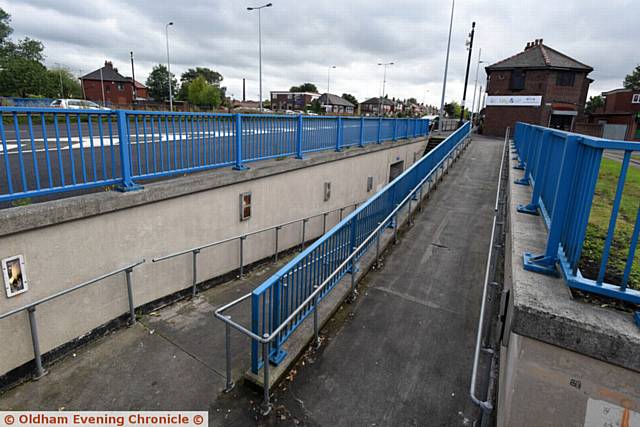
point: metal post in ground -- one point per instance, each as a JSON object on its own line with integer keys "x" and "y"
{"x": 242, "y": 238}
{"x": 304, "y": 231}
{"x": 341, "y": 210}
{"x": 276, "y": 252}
{"x": 266, "y": 404}
{"x": 378, "y": 248}
{"x": 324, "y": 222}
{"x": 195, "y": 272}
{"x": 132, "y": 310}
{"x": 315, "y": 319}
{"x": 229, "y": 383}
{"x": 40, "y": 372}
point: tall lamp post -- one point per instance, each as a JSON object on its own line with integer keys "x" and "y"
{"x": 166, "y": 30}
{"x": 259, "y": 9}
{"x": 475, "y": 86}
{"x": 384, "y": 82}
{"x": 60, "y": 76}
{"x": 133, "y": 78}
{"x": 446, "y": 69}
{"x": 329, "y": 76}
{"x": 466, "y": 76}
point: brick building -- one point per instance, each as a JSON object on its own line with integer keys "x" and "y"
{"x": 620, "y": 115}
{"x": 118, "y": 89}
{"x": 372, "y": 106}
{"x": 335, "y": 104}
{"x": 538, "y": 85}
{"x": 286, "y": 100}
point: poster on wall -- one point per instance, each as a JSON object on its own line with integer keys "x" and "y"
{"x": 514, "y": 101}
{"x": 15, "y": 276}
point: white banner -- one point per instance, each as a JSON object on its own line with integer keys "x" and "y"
{"x": 514, "y": 101}
{"x": 104, "y": 418}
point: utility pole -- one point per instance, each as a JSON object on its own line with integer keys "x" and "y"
{"x": 133, "y": 78}
{"x": 102, "y": 87}
{"x": 466, "y": 77}
{"x": 259, "y": 9}
{"x": 475, "y": 86}
{"x": 384, "y": 82}
{"x": 446, "y": 68}
{"x": 166, "y": 29}
{"x": 329, "y": 76}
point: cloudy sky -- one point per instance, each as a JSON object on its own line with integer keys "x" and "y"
{"x": 301, "y": 39}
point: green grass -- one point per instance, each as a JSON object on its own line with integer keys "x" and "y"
{"x": 599, "y": 224}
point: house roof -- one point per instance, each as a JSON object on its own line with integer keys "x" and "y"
{"x": 376, "y": 100}
{"x": 538, "y": 55}
{"x": 331, "y": 99}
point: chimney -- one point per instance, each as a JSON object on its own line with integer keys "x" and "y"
{"x": 108, "y": 64}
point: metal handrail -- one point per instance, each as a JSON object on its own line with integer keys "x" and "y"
{"x": 504, "y": 149}
{"x": 267, "y": 338}
{"x": 241, "y": 238}
{"x": 31, "y": 308}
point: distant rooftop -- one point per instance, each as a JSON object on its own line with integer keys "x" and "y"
{"x": 331, "y": 99}
{"x": 110, "y": 73}
{"x": 538, "y": 55}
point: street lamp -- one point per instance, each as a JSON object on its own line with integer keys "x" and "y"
{"x": 475, "y": 86}
{"x": 446, "y": 68}
{"x": 60, "y": 75}
{"x": 259, "y": 9}
{"x": 329, "y": 76}
{"x": 384, "y": 82}
{"x": 166, "y": 30}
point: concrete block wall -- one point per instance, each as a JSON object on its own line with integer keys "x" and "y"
{"x": 70, "y": 241}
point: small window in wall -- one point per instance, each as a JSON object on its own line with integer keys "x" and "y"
{"x": 120, "y": 86}
{"x": 245, "y": 206}
{"x": 565, "y": 78}
{"x": 327, "y": 191}
{"x": 636, "y": 98}
{"x": 517, "y": 80}
{"x": 369, "y": 183}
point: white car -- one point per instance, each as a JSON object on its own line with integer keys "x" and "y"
{"x": 76, "y": 104}
{"x": 290, "y": 112}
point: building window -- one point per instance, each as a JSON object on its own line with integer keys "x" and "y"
{"x": 636, "y": 98}
{"x": 517, "y": 80}
{"x": 120, "y": 86}
{"x": 565, "y": 78}
{"x": 245, "y": 206}
{"x": 107, "y": 89}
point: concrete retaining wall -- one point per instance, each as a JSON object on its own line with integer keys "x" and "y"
{"x": 69, "y": 241}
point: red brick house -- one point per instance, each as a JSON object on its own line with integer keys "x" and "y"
{"x": 538, "y": 85}
{"x": 620, "y": 116}
{"x": 118, "y": 89}
{"x": 286, "y": 100}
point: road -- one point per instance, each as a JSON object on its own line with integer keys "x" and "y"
{"x": 619, "y": 156}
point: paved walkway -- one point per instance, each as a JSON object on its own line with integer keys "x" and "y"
{"x": 400, "y": 356}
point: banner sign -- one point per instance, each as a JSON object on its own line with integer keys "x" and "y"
{"x": 514, "y": 101}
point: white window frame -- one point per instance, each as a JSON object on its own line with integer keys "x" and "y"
{"x": 635, "y": 99}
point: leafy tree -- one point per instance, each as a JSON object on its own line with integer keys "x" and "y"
{"x": 22, "y": 77}
{"x": 316, "y": 107}
{"x": 632, "y": 80}
{"x": 304, "y": 87}
{"x": 62, "y": 79}
{"x": 211, "y": 77}
{"x": 594, "y": 103}
{"x": 412, "y": 101}
{"x": 452, "y": 109}
{"x": 158, "y": 83}
{"x": 352, "y": 99}
{"x": 202, "y": 93}
{"x": 5, "y": 27}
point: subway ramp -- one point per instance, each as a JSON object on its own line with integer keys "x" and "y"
{"x": 401, "y": 354}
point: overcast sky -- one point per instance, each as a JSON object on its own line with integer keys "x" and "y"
{"x": 301, "y": 39}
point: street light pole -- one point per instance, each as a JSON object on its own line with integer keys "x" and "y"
{"x": 475, "y": 86}
{"x": 384, "y": 82}
{"x": 102, "y": 87}
{"x": 133, "y": 78}
{"x": 466, "y": 76}
{"x": 166, "y": 30}
{"x": 329, "y": 76}
{"x": 259, "y": 9}
{"x": 446, "y": 68}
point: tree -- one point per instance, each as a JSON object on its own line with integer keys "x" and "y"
{"x": 594, "y": 103}
{"x": 61, "y": 79}
{"x": 211, "y": 77}
{"x": 412, "y": 101}
{"x": 632, "y": 80}
{"x": 304, "y": 87}
{"x": 22, "y": 77}
{"x": 202, "y": 93}
{"x": 352, "y": 99}
{"x": 158, "y": 83}
{"x": 452, "y": 109}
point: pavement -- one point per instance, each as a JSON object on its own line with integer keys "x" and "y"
{"x": 400, "y": 355}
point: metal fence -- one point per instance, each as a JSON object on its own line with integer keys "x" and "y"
{"x": 48, "y": 150}
{"x": 563, "y": 169}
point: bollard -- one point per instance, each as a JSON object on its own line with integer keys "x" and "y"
{"x": 132, "y": 310}
{"x": 229, "y": 384}
{"x": 276, "y": 253}
{"x": 195, "y": 272}
{"x": 40, "y": 372}
{"x": 266, "y": 404}
{"x": 242, "y": 238}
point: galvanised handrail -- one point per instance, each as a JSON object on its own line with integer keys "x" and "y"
{"x": 421, "y": 172}
{"x": 51, "y": 150}
{"x": 242, "y": 237}
{"x": 31, "y": 308}
{"x": 563, "y": 169}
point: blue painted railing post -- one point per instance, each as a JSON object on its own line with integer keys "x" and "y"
{"x": 127, "y": 183}
{"x": 379, "y": 140}
{"x": 239, "y": 166}
{"x": 546, "y": 263}
{"x": 361, "y": 131}
{"x": 299, "y": 137}
{"x": 395, "y": 129}
{"x": 415, "y": 128}
{"x": 339, "y": 133}
{"x": 544, "y": 153}
{"x": 276, "y": 354}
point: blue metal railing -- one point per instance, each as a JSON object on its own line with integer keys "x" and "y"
{"x": 49, "y": 150}
{"x": 280, "y": 304}
{"x": 563, "y": 169}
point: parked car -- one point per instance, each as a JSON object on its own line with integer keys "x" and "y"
{"x": 76, "y": 104}
{"x": 289, "y": 112}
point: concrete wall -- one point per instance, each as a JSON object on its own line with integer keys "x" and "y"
{"x": 563, "y": 361}
{"x": 70, "y": 241}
